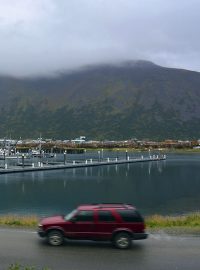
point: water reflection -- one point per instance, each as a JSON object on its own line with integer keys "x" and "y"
{"x": 170, "y": 186}
{"x": 86, "y": 171}
{"x": 149, "y": 168}
{"x": 128, "y": 167}
{"x": 23, "y": 188}
{"x": 65, "y": 183}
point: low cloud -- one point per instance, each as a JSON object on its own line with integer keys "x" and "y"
{"x": 40, "y": 37}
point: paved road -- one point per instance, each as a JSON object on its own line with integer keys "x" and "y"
{"x": 159, "y": 252}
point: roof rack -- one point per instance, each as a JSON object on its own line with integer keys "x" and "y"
{"x": 108, "y": 205}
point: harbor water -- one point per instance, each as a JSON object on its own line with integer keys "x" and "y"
{"x": 163, "y": 187}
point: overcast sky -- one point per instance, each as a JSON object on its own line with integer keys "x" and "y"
{"x": 39, "y": 37}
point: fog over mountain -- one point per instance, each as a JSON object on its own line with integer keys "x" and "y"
{"x": 43, "y": 37}
{"x": 131, "y": 99}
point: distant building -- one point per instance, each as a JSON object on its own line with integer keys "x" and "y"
{"x": 81, "y": 139}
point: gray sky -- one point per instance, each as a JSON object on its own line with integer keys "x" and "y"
{"x": 39, "y": 37}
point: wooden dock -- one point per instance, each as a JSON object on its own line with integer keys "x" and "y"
{"x": 73, "y": 164}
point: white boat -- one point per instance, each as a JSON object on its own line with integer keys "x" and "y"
{"x": 3, "y": 153}
{"x": 40, "y": 153}
{"x": 36, "y": 153}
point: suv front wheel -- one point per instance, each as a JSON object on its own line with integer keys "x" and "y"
{"x": 55, "y": 238}
{"x": 122, "y": 240}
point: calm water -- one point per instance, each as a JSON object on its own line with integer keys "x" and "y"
{"x": 166, "y": 187}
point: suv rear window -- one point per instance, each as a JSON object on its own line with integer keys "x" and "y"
{"x": 130, "y": 215}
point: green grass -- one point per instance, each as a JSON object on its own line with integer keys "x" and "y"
{"x": 19, "y": 221}
{"x": 17, "y": 266}
{"x": 189, "y": 221}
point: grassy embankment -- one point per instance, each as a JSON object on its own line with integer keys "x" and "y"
{"x": 19, "y": 221}
{"x": 17, "y": 266}
{"x": 185, "y": 223}
{"x": 176, "y": 224}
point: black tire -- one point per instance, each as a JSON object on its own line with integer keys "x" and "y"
{"x": 122, "y": 240}
{"x": 55, "y": 238}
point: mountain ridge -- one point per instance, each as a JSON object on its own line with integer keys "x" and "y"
{"x": 131, "y": 99}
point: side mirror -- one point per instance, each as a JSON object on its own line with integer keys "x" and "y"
{"x": 73, "y": 219}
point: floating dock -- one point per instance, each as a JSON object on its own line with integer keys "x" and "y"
{"x": 22, "y": 167}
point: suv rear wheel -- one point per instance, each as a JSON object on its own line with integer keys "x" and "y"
{"x": 122, "y": 240}
{"x": 55, "y": 238}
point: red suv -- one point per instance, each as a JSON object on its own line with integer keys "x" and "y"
{"x": 119, "y": 223}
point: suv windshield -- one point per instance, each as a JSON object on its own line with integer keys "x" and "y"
{"x": 70, "y": 215}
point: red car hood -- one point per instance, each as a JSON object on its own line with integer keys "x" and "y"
{"x": 53, "y": 220}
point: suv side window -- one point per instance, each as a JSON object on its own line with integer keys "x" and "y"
{"x": 130, "y": 215}
{"x": 105, "y": 216}
{"x": 85, "y": 216}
